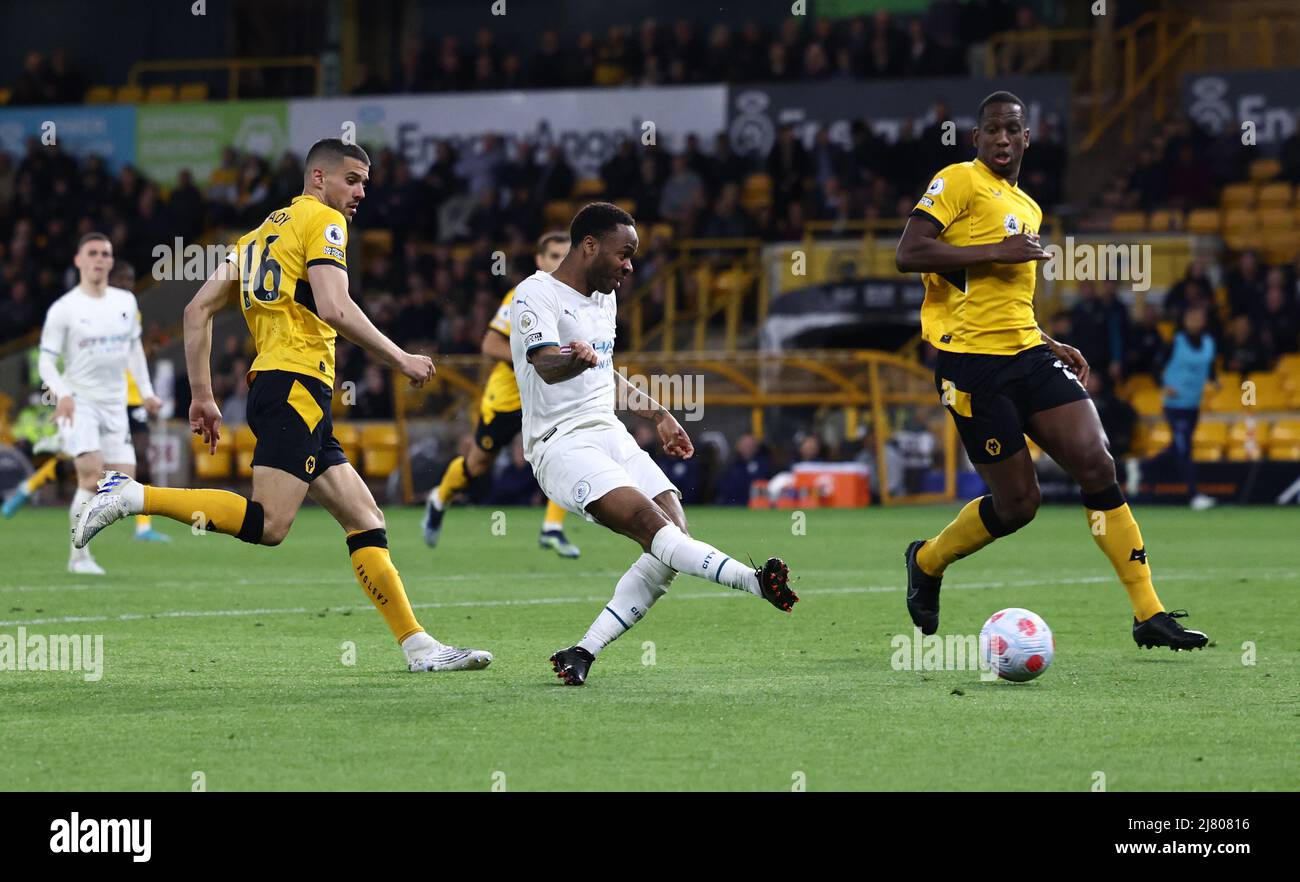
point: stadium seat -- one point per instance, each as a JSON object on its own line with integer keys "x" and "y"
{"x": 1275, "y": 195}
{"x": 589, "y": 188}
{"x": 245, "y": 441}
{"x": 1207, "y": 454}
{"x": 1148, "y": 402}
{"x": 1210, "y": 434}
{"x": 1281, "y": 245}
{"x": 99, "y": 95}
{"x": 1135, "y": 384}
{"x": 377, "y": 240}
{"x": 1269, "y": 392}
{"x": 1265, "y": 169}
{"x": 662, "y": 231}
{"x": 1284, "y": 450}
{"x": 1128, "y": 222}
{"x": 1238, "y": 196}
{"x": 557, "y": 214}
{"x": 1284, "y": 432}
{"x": 756, "y": 192}
{"x": 160, "y": 93}
{"x": 1240, "y": 228}
{"x": 5, "y": 95}
{"x": 1227, "y": 399}
{"x": 215, "y": 466}
{"x": 129, "y": 95}
{"x": 628, "y": 205}
{"x": 1205, "y": 221}
{"x": 1240, "y": 433}
{"x": 1274, "y": 218}
{"x": 1241, "y": 453}
{"x": 379, "y": 448}
{"x": 1288, "y": 367}
{"x": 192, "y": 92}
{"x": 1156, "y": 438}
{"x": 1164, "y": 220}
{"x": 349, "y": 438}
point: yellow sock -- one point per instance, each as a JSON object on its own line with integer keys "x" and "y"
{"x": 966, "y": 534}
{"x": 453, "y": 480}
{"x": 43, "y": 475}
{"x": 143, "y": 522}
{"x": 218, "y": 510}
{"x": 1117, "y": 535}
{"x": 379, "y": 578}
{"x": 554, "y": 517}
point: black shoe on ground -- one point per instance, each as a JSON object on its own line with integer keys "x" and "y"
{"x": 1162, "y": 630}
{"x": 774, "y": 582}
{"x": 922, "y": 592}
{"x": 571, "y": 665}
{"x": 432, "y": 524}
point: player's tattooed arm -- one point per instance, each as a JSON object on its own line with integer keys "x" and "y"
{"x": 555, "y": 364}
{"x": 921, "y": 251}
{"x": 337, "y": 309}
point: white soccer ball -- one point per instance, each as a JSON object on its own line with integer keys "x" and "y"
{"x": 1017, "y": 644}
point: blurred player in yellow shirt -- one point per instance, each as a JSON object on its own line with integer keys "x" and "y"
{"x": 500, "y": 418}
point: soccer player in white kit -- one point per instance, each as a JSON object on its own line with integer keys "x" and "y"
{"x": 95, "y": 330}
{"x": 562, "y": 345}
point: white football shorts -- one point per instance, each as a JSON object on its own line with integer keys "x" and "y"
{"x": 579, "y": 467}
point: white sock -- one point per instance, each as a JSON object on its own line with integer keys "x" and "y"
{"x": 646, "y": 581}
{"x": 552, "y": 526}
{"x": 418, "y": 644}
{"x": 695, "y": 558}
{"x": 80, "y": 498}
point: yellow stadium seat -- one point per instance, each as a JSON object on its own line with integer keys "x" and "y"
{"x": 1210, "y": 434}
{"x": 663, "y": 231}
{"x": 1241, "y": 453}
{"x": 5, "y": 95}
{"x": 349, "y": 438}
{"x": 377, "y": 240}
{"x": 1275, "y": 195}
{"x": 1268, "y": 391}
{"x": 1157, "y": 438}
{"x": 1288, "y": 368}
{"x": 1284, "y": 450}
{"x": 557, "y": 213}
{"x": 1226, "y": 400}
{"x": 756, "y": 192}
{"x": 1236, "y": 196}
{"x": 1205, "y": 221}
{"x": 1137, "y": 383}
{"x": 1148, "y": 402}
{"x": 1240, "y": 220}
{"x": 160, "y": 93}
{"x": 215, "y": 466}
{"x": 1281, "y": 245}
{"x": 1163, "y": 220}
{"x": 1265, "y": 169}
{"x": 1128, "y": 222}
{"x": 628, "y": 205}
{"x": 129, "y": 95}
{"x": 379, "y": 449}
{"x": 1271, "y": 219}
{"x": 1285, "y": 432}
{"x": 99, "y": 95}
{"x": 1240, "y": 432}
{"x": 589, "y": 188}
{"x": 1207, "y": 454}
{"x": 245, "y": 441}
{"x": 192, "y": 92}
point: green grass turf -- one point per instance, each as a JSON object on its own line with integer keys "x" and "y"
{"x": 226, "y": 659}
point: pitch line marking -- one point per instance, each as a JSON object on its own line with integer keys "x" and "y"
{"x": 603, "y": 598}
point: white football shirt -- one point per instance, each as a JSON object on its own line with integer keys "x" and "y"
{"x": 547, "y": 312}
{"x": 93, "y": 336}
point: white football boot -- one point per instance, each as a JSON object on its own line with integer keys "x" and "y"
{"x": 119, "y": 496}
{"x": 82, "y": 564}
{"x": 424, "y": 653}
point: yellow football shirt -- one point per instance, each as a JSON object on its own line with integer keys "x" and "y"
{"x": 986, "y": 309}
{"x": 275, "y": 294}
{"x": 502, "y": 392}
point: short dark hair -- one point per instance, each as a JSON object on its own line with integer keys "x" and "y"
{"x": 999, "y": 97}
{"x": 331, "y": 151}
{"x": 552, "y": 236}
{"x": 596, "y": 219}
{"x": 92, "y": 237}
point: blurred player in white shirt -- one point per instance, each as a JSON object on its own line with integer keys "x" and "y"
{"x": 562, "y": 345}
{"x": 94, "y": 329}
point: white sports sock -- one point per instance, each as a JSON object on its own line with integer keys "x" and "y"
{"x": 80, "y": 498}
{"x": 646, "y": 581}
{"x": 552, "y": 526}
{"x": 695, "y": 558}
{"x": 418, "y": 644}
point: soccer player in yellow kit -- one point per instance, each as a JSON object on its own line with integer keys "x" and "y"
{"x": 289, "y": 277}
{"x": 974, "y": 235}
{"x": 500, "y": 419}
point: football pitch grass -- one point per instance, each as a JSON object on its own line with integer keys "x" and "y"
{"x": 229, "y": 660}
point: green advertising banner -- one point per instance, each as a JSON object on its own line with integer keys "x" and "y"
{"x": 171, "y": 137}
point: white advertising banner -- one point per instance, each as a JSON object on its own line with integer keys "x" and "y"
{"x": 587, "y": 123}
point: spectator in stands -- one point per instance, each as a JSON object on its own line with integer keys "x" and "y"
{"x": 234, "y": 408}
{"x": 1277, "y": 318}
{"x": 683, "y": 193}
{"x": 32, "y": 85}
{"x": 1188, "y": 367}
{"x": 1191, "y": 180}
{"x": 1246, "y": 285}
{"x": 749, "y": 463}
{"x": 727, "y": 221}
{"x": 1118, "y": 418}
{"x": 1246, "y": 350}
{"x": 1144, "y": 351}
{"x": 1100, "y": 327}
{"x": 1020, "y": 58}
{"x": 1146, "y": 183}
{"x": 186, "y": 207}
{"x": 65, "y": 85}
{"x": 1289, "y": 154}
{"x": 923, "y": 58}
{"x": 374, "y": 397}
